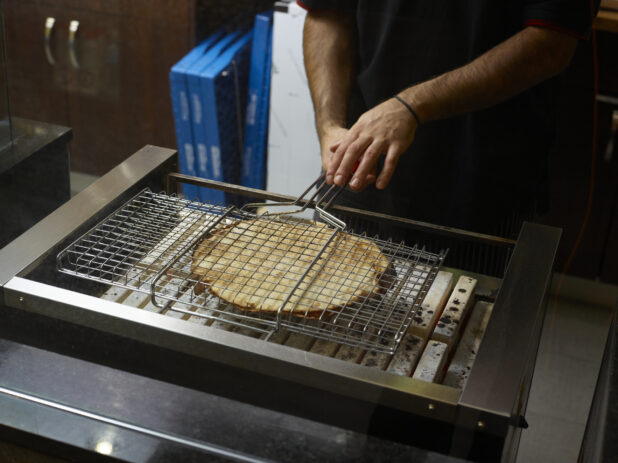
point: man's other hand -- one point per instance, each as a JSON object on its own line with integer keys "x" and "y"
{"x": 387, "y": 128}
{"x": 329, "y": 141}
{"x": 329, "y": 137}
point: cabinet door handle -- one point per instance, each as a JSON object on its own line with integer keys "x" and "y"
{"x": 73, "y": 26}
{"x": 49, "y": 27}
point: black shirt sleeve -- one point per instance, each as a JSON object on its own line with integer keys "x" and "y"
{"x": 347, "y": 6}
{"x": 573, "y": 17}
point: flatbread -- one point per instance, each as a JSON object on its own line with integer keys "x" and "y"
{"x": 254, "y": 264}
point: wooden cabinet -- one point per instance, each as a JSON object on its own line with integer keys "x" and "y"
{"x": 110, "y": 84}
{"x": 33, "y": 66}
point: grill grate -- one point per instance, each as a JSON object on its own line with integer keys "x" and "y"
{"x": 267, "y": 273}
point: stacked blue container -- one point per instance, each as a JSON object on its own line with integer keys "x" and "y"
{"x": 224, "y": 91}
{"x": 198, "y": 104}
{"x": 256, "y": 126}
{"x": 211, "y": 97}
{"x": 182, "y": 116}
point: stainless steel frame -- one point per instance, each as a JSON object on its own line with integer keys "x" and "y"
{"x": 175, "y": 177}
{"x": 155, "y": 235}
{"x": 484, "y": 417}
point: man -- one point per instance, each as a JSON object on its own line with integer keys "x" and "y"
{"x": 447, "y": 107}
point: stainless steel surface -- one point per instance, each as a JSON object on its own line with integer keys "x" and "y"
{"x": 30, "y": 248}
{"x": 512, "y": 337}
{"x": 210, "y": 448}
{"x": 236, "y": 350}
{"x": 171, "y": 409}
{"x": 570, "y": 366}
{"x": 488, "y": 408}
{"x": 370, "y": 215}
{"x": 403, "y": 362}
{"x": 149, "y": 244}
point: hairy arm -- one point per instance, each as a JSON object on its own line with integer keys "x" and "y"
{"x": 525, "y": 59}
{"x": 329, "y": 44}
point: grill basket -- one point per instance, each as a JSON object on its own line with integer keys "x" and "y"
{"x": 314, "y": 278}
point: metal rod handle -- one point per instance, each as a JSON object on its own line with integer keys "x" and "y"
{"x": 49, "y": 27}
{"x": 73, "y": 26}
{"x": 365, "y": 214}
{"x": 304, "y": 193}
{"x": 302, "y": 277}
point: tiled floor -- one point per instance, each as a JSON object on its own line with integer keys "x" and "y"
{"x": 565, "y": 378}
{"x": 609, "y": 439}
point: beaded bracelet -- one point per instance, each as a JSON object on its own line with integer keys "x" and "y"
{"x": 398, "y": 98}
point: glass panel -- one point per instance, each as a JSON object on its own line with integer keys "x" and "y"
{"x": 5, "y": 115}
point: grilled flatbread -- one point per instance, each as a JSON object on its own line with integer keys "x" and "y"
{"x": 254, "y": 264}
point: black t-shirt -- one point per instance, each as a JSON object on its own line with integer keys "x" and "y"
{"x": 468, "y": 171}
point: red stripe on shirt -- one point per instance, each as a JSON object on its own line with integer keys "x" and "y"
{"x": 555, "y": 27}
{"x": 303, "y": 5}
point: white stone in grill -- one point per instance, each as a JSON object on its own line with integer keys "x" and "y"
{"x": 407, "y": 355}
{"x": 376, "y": 360}
{"x": 468, "y": 346}
{"x": 326, "y": 348}
{"x": 431, "y": 365}
{"x": 137, "y": 299}
{"x": 279, "y": 337}
{"x": 449, "y": 325}
{"x": 113, "y": 293}
{"x": 299, "y": 341}
{"x": 349, "y": 354}
{"x": 425, "y": 318}
{"x": 403, "y": 362}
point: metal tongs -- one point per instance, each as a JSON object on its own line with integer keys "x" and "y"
{"x": 330, "y": 193}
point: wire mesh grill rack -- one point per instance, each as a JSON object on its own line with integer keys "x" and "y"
{"x": 261, "y": 273}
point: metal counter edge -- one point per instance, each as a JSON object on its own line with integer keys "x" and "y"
{"x": 27, "y": 249}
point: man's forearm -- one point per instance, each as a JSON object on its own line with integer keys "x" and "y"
{"x": 524, "y": 60}
{"x": 329, "y": 53}
{"x": 529, "y": 57}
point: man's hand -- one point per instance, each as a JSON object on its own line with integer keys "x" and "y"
{"x": 329, "y": 141}
{"x": 387, "y": 128}
{"x": 525, "y": 59}
{"x": 330, "y": 137}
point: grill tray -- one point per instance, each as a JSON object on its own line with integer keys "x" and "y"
{"x": 148, "y": 245}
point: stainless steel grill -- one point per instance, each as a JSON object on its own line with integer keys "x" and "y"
{"x": 149, "y": 242}
{"x": 301, "y": 276}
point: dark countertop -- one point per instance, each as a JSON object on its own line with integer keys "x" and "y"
{"x": 65, "y": 406}
{"x": 30, "y": 137}
{"x": 34, "y": 176}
